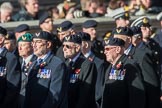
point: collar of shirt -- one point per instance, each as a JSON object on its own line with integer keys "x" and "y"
{"x": 75, "y": 58}
{"x": 88, "y": 54}
{"x": 140, "y": 45}
{"x": 128, "y": 50}
{"x": 27, "y": 60}
{"x": 45, "y": 56}
{"x": 1, "y": 49}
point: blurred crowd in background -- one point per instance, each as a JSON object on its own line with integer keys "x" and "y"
{"x": 69, "y": 9}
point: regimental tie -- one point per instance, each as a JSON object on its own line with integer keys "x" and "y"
{"x": 39, "y": 61}
{"x": 24, "y": 68}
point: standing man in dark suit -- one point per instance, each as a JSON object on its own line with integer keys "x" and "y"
{"x": 47, "y": 76}
{"x": 89, "y": 27}
{"x": 158, "y": 39}
{"x": 10, "y": 43}
{"x": 123, "y": 85}
{"x": 9, "y": 75}
{"x": 26, "y": 58}
{"x": 148, "y": 68}
{"x": 83, "y": 73}
{"x": 100, "y": 65}
{"x": 64, "y": 29}
{"x": 46, "y": 24}
{"x": 144, "y": 23}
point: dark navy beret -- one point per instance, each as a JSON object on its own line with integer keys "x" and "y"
{"x": 22, "y": 27}
{"x": 123, "y": 31}
{"x": 73, "y": 38}
{"x": 10, "y": 36}
{"x": 141, "y": 21}
{"x": 3, "y": 31}
{"x": 43, "y": 17}
{"x": 43, "y": 35}
{"x": 89, "y": 23}
{"x": 64, "y": 26}
{"x": 114, "y": 42}
{"x": 136, "y": 31}
{"x": 84, "y": 36}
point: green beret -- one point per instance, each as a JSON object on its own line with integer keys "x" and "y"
{"x": 27, "y": 37}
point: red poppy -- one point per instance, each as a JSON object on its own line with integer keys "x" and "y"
{"x": 77, "y": 71}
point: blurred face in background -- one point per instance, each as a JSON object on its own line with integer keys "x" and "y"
{"x": 10, "y": 45}
{"x": 2, "y": 38}
{"x": 122, "y": 22}
{"x": 5, "y": 15}
{"x": 92, "y": 31}
{"x": 32, "y": 6}
{"x": 47, "y": 25}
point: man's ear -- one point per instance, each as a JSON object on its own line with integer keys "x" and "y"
{"x": 86, "y": 44}
{"x": 118, "y": 49}
{"x": 49, "y": 44}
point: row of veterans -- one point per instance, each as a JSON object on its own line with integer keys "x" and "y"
{"x": 75, "y": 70}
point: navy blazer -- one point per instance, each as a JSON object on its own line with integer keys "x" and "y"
{"x": 47, "y": 91}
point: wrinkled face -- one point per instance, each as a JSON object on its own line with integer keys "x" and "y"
{"x": 25, "y": 49}
{"x": 47, "y": 25}
{"x": 6, "y": 15}
{"x": 110, "y": 52}
{"x": 10, "y": 45}
{"x": 39, "y": 47}
{"x": 91, "y": 31}
{"x": 122, "y": 23}
{"x": 70, "y": 49}
{"x": 32, "y": 6}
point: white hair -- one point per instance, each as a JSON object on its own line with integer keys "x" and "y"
{"x": 6, "y": 6}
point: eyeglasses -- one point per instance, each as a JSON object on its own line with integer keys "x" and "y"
{"x": 68, "y": 46}
{"x": 109, "y": 48}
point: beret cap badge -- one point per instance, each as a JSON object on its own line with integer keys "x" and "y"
{"x": 23, "y": 37}
{"x": 118, "y": 30}
{"x": 145, "y": 20}
{"x": 107, "y": 41}
{"x": 37, "y": 34}
{"x": 59, "y": 29}
{"x": 67, "y": 38}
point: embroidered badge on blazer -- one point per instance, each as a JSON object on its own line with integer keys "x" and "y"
{"x": 44, "y": 73}
{"x": 2, "y": 71}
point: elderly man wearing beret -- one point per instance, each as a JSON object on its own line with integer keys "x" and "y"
{"x": 145, "y": 58}
{"x": 47, "y": 76}
{"x": 26, "y": 58}
{"x": 123, "y": 87}
{"x": 83, "y": 72}
{"x": 9, "y": 75}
